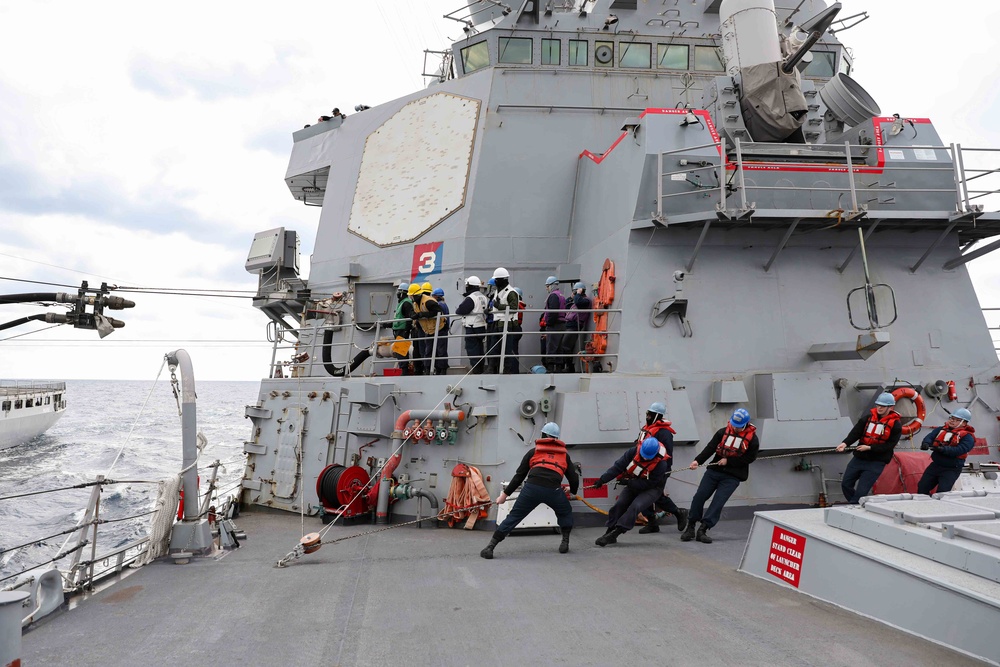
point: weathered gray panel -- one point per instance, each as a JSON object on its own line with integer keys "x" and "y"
{"x": 613, "y": 411}
{"x": 804, "y": 396}
{"x": 374, "y": 302}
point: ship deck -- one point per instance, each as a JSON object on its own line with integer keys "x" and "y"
{"x": 424, "y": 596}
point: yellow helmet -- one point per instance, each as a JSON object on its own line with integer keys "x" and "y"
{"x": 426, "y": 288}
{"x": 413, "y": 289}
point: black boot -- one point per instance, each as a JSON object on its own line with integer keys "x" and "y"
{"x": 564, "y": 545}
{"x": 688, "y": 533}
{"x": 703, "y": 534}
{"x": 610, "y": 537}
{"x": 652, "y": 526}
{"x": 682, "y": 519}
{"x": 487, "y": 553}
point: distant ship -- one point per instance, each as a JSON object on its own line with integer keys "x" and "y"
{"x": 28, "y": 409}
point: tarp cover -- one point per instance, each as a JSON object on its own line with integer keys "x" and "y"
{"x": 902, "y": 473}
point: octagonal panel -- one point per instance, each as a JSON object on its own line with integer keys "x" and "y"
{"x": 415, "y": 169}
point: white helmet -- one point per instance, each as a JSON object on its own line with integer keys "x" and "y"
{"x": 501, "y": 273}
{"x": 474, "y": 281}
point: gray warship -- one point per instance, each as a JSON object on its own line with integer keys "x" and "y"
{"x": 755, "y": 232}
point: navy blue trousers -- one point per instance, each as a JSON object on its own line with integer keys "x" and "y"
{"x": 532, "y": 496}
{"x": 628, "y": 506}
{"x": 719, "y": 483}
{"x": 943, "y": 477}
{"x": 859, "y": 478}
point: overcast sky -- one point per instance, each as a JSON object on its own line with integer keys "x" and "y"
{"x": 145, "y": 144}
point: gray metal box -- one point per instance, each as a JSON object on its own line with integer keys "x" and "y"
{"x": 374, "y": 302}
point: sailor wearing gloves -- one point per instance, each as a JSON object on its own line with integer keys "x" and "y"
{"x": 542, "y": 470}
{"x": 643, "y": 470}
{"x": 949, "y": 445}
{"x": 877, "y": 432}
{"x": 735, "y": 448}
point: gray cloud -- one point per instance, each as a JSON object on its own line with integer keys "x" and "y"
{"x": 26, "y": 191}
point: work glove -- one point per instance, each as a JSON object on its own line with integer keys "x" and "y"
{"x": 598, "y": 484}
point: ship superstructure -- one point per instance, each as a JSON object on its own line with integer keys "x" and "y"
{"x": 776, "y": 242}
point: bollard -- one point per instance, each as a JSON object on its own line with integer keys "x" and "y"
{"x": 11, "y": 611}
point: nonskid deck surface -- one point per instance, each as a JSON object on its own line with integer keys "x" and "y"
{"x": 425, "y": 595}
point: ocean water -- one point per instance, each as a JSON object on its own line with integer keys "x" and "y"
{"x": 85, "y": 442}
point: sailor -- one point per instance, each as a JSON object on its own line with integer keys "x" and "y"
{"x": 505, "y": 313}
{"x": 643, "y": 470}
{"x": 426, "y": 314}
{"x": 949, "y": 445}
{"x": 542, "y": 470}
{"x": 402, "y": 324}
{"x": 735, "y": 448}
{"x": 441, "y": 355}
{"x": 492, "y": 338}
{"x": 877, "y": 434}
{"x": 577, "y": 321}
{"x": 554, "y": 323}
{"x": 473, "y": 312}
{"x": 659, "y": 428}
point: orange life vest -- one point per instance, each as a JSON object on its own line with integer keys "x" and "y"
{"x": 950, "y": 437}
{"x": 654, "y": 428}
{"x": 735, "y": 443}
{"x": 640, "y": 467}
{"x": 550, "y": 453}
{"x": 878, "y": 428}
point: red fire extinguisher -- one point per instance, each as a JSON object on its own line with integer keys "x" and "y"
{"x": 952, "y": 393}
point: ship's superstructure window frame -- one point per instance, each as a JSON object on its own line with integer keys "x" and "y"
{"x": 515, "y": 50}
{"x": 823, "y": 65}
{"x": 669, "y": 54}
{"x": 635, "y": 55}
{"x": 6, "y": 406}
{"x": 578, "y": 52}
{"x": 475, "y": 56}
{"x": 18, "y": 404}
{"x": 845, "y": 63}
{"x": 551, "y": 51}
{"x": 708, "y": 58}
{"x": 599, "y": 52}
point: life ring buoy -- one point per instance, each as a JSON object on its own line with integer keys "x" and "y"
{"x": 917, "y": 422}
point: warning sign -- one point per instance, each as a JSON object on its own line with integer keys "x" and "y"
{"x": 785, "y": 559}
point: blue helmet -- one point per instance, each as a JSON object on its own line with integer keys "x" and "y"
{"x": 437, "y": 292}
{"x": 492, "y": 281}
{"x": 538, "y": 369}
{"x": 649, "y": 448}
{"x": 579, "y": 286}
{"x": 962, "y": 414}
{"x": 403, "y": 286}
{"x": 551, "y": 280}
{"x": 658, "y": 408}
{"x": 520, "y": 292}
{"x": 885, "y": 399}
{"x": 551, "y": 429}
{"x": 740, "y": 419}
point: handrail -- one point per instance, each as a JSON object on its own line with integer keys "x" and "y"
{"x": 964, "y": 166}
{"x": 304, "y": 367}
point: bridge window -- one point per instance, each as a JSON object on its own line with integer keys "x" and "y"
{"x": 845, "y": 64}
{"x": 707, "y": 59}
{"x": 672, "y": 56}
{"x": 29, "y": 403}
{"x": 6, "y": 406}
{"x": 18, "y": 404}
{"x": 514, "y": 50}
{"x": 578, "y": 52}
{"x": 551, "y": 52}
{"x": 822, "y": 64}
{"x": 475, "y": 57}
{"x": 635, "y": 54}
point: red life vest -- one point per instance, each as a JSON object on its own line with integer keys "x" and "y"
{"x": 520, "y": 312}
{"x": 640, "y": 467}
{"x": 550, "y": 453}
{"x": 654, "y": 428}
{"x": 878, "y": 428}
{"x": 735, "y": 443}
{"x": 948, "y": 437}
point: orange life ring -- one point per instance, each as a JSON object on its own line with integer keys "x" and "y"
{"x": 917, "y": 422}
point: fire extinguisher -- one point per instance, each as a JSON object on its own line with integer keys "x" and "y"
{"x": 952, "y": 393}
